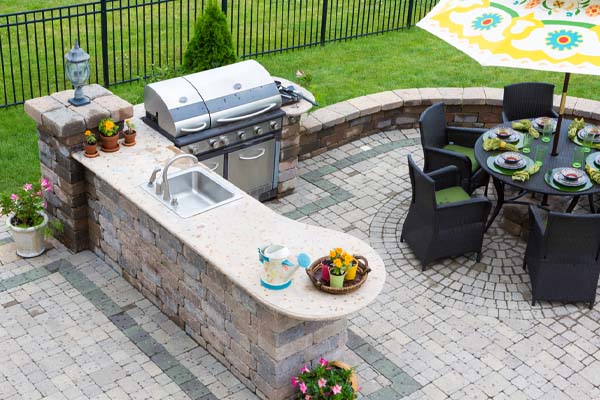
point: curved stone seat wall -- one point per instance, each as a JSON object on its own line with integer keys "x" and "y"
{"x": 343, "y": 122}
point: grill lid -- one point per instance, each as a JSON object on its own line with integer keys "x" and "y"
{"x": 211, "y": 98}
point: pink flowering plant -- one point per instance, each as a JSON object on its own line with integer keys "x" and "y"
{"x": 325, "y": 381}
{"x": 26, "y": 204}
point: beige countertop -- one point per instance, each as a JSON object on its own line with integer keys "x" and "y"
{"x": 228, "y": 236}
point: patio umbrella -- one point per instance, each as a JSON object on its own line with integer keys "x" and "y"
{"x": 548, "y": 35}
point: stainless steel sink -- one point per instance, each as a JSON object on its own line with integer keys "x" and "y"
{"x": 194, "y": 191}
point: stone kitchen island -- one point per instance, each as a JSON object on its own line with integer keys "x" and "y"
{"x": 203, "y": 271}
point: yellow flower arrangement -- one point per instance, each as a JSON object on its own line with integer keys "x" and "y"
{"x": 89, "y": 137}
{"x": 108, "y": 127}
{"x": 340, "y": 261}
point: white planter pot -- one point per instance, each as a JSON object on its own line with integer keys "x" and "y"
{"x": 29, "y": 241}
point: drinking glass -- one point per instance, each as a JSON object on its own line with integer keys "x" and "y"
{"x": 540, "y": 154}
{"x": 588, "y": 140}
{"x": 526, "y": 141}
{"x": 547, "y": 131}
{"x": 578, "y": 157}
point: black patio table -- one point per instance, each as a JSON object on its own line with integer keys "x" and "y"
{"x": 536, "y": 183}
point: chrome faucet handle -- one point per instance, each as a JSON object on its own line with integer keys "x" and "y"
{"x": 155, "y": 172}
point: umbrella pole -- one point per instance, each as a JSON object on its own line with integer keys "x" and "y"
{"x": 563, "y": 100}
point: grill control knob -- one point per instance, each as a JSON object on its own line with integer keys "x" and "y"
{"x": 224, "y": 140}
{"x": 241, "y": 135}
{"x": 258, "y": 130}
{"x": 274, "y": 125}
{"x": 214, "y": 143}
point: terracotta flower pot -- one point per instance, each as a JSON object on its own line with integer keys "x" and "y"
{"x": 129, "y": 138}
{"x": 110, "y": 143}
{"x": 90, "y": 150}
{"x": 29, "y": 241}
{"x": 353, "y": 377}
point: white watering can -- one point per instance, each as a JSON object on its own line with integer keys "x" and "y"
{"x": 277, "y": 269}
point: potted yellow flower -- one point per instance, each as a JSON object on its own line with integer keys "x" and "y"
{"x": 129, "y": 133}
{"x": 338, "y": 264}
{"x": 109, "y": 135}
{"x": 90, "y": 144}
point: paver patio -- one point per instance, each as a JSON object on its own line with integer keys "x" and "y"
{"x": 71, "y": 327}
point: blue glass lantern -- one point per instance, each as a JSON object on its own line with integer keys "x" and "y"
{"x": 77, "y": 67}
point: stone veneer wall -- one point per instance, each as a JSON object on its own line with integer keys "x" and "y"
{"x": 332, "y": 126}
{"x": 60, "y": 129}
{"x": 288, "y": 160}
{"x": 262, "y": 348}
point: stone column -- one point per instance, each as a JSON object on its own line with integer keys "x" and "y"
{"x": 60, "y": 128}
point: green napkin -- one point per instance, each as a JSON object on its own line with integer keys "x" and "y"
{"x": 525, "y": 174}
{"x": 525, "y": 125}
{"x": 577, "y": 125}
{"x": 497, "y": 144}
{"x": 593, "y": 173}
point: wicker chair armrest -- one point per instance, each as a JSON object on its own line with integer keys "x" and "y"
{"x": 464, "y": 136}
{"x": 537, "y": 225}
{"x": 505, "y": 118}
{"x": 554, "y": 113}
{"x": 469, "y": 211}
{"x": 445, "y": 177}
{"x": 439, "y": 158}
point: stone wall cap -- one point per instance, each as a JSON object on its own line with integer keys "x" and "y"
{"x": 452, "y": 96}
{"x": 346, "y": 109}
{"x": 118, "y": 108}
{"x": 310, "y": 123}
{"x": 63, "y": 122}
{"x": 493, "y": 96}
{"x": 40, "y": 105}
{"x": 365, "y": 105}
{"x": 328, "y": 117}
{"x": 388, "y": 100}
{"x": 430, "y": 96}
{"x": 92, "y": 114}
{"x": 94, "y": 91}
{"x": 410, "y": 97}
{"x": 474, "y": 96}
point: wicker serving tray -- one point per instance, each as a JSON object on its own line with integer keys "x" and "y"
{"x": 362, "y": 273}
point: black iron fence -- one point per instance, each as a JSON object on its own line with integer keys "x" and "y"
{"x": 132, "y": 39}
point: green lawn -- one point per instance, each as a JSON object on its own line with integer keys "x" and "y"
{"x": 406, "y": 59}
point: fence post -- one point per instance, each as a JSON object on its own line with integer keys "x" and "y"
{"x": 224, "y": 6}
{"x": 324, "y": 22}
{"x": 104, "y": 36}
{"x": 411, "y": 4}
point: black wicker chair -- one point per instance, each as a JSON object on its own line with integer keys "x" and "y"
{"x": 528, "y": 100}
{"x": 562, "y": 257}
{"x": 446, "y": 145}
{"x": 443, "y": 219}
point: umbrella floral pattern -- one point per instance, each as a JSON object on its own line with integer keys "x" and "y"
{"x": 553, "y": 35}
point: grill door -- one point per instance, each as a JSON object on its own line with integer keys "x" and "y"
{"x": 215, "y": 164}
{"x": 252, "y": 168}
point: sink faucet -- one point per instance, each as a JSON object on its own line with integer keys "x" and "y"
{"x": 165, "y": 181}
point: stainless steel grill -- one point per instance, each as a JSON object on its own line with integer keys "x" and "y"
{"x": 228, "y": 117}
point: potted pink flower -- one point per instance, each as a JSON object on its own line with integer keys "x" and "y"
{"x": 329, "y": 380}
{"x": 27, "y": 221}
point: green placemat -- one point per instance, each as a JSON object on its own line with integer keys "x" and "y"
{"x": 518, "y": 143}
{"x": 550, "y": 181}
{"x": 492, "y": 165}
{"x": 590, "y": 160}
{"x": 579, "y": 142}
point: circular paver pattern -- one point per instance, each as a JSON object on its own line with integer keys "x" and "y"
{"x": 496, "y": 287}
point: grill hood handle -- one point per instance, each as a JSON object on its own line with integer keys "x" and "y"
{"x": 243, "y": 117}
{"x": 192, "y": 130}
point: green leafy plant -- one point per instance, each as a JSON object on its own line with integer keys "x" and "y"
{"x": 25, "y": 206}
{"x": 108, "y": 127}
{"x": 325, "y": 381}
{"x": 211, "y": 46}
{"x": 130, "y": 126}
{"x": 90, "y": 138}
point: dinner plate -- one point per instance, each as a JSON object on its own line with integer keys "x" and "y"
{"x": 562, "y": 175}
{"x": 590, "y": 128}
{"x": 511, "y": 135}
{"x": 510, "y": 160}
{"x": 541, "y": 121}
